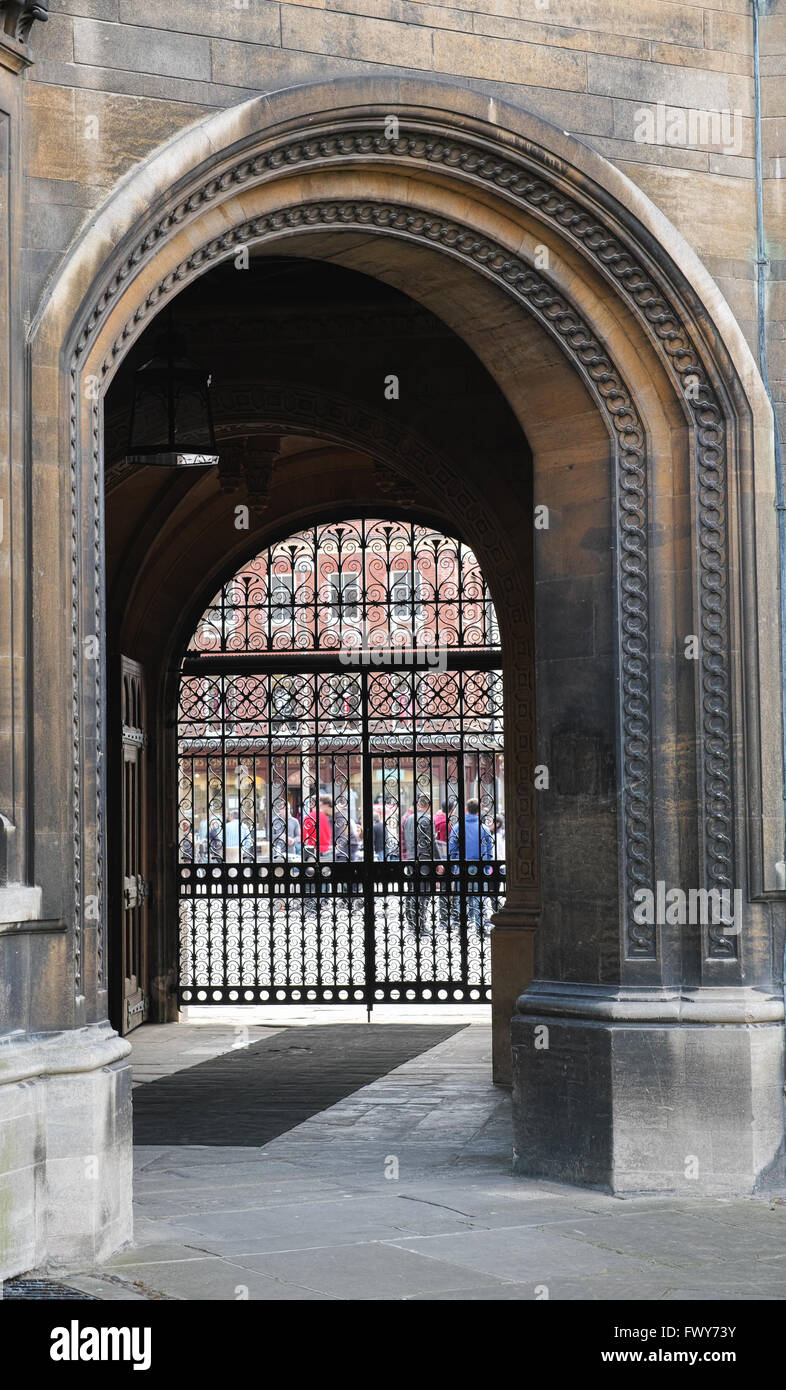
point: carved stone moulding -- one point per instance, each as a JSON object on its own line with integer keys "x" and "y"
{"x": 534, "y": 292}
{"x": 246, "y": 467}
{"x": 391, "y": 485}
{"x": 663, "y": 315}
{"x": 16, "y": 21}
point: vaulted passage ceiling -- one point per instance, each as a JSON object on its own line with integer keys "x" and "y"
{"x": 299, "y": 353}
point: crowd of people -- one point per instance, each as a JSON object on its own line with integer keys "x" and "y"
{"x": 323, "y": 834}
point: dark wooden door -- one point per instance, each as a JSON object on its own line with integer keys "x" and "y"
{"x": 133, "y": 848}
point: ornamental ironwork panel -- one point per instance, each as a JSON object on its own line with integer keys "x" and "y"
{"x": 341, "y": 804}
{"x": 342, "y": 586}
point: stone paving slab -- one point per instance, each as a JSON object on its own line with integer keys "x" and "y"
{"x": 684, "y": 1240}
{"x": 596, "y": 1290}
{"x": 107, "y": 1289}
{"x": 209, "y": 1278}
{"x": 317, "y": 1213}
{"x": 351, "y": 1221}
{"x": 159, "y": 1049}
{"x": 516, "y": 1253}
{"x": 181, "y": 1205}
{"x": 366, "y": 1272}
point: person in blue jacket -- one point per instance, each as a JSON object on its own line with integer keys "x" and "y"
{"x": 478, "y": 844}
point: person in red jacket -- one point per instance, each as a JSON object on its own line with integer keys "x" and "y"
{"x": 441, "y": 828}
{"x": 325, "y": 828}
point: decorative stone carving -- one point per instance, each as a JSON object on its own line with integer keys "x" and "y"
{"x": 305, "y": 325}
{"x": 17, "y": 16}
{"x": 516, "y": 177}
{"x": 246, "y": 465}
{"x": 391, "y": 485}
{"x": 16, "y": 21}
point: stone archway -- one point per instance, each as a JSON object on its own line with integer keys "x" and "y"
{"x": 398, "y": 475}
{"x": 483, "y": 193}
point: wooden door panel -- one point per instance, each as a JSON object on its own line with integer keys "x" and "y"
{"x": 133, "y": 857}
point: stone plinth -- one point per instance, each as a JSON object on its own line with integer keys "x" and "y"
{"x": 65, "y": 1148}
{"x": 648, "y": 1090}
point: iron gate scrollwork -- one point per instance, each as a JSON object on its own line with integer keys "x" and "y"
{"x": 341, "y": 803}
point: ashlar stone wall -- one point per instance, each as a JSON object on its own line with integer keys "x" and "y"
{"x": 663, "y": 90}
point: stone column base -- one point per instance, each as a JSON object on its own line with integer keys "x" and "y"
{"x": 512, "y": 968}
{"x": 65, "y": 1148}
{"x": 648, "y": 1090}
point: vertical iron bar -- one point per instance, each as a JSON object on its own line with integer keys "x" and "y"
{"x": 369, "y": 925}
{"x": 462, "y": 836}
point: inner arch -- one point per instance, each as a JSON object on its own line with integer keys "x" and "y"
{"x": 341, "y": 796}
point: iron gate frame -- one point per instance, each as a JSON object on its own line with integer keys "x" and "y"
{"x": 447, "y": 886}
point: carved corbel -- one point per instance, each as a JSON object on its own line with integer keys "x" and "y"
{"x": 247, "y": 465}
{"x": 392, "y": 485}
{"x": 16, "y": 21}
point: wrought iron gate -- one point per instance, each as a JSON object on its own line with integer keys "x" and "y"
{"x": 340, "y": 775}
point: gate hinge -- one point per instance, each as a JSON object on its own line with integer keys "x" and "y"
{"x": 136, "y": 737}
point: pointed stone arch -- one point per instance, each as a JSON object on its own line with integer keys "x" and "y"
{"x": 641, "y": 324}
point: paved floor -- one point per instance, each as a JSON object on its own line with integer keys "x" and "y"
{"x": 401, "y": 1191}
{"x": 251, "y": 1095}
{"x": 163, "y": 1049}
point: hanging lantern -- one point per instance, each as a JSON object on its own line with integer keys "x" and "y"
{"x": 171, "y": 421}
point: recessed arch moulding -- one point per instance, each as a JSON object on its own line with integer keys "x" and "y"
{"x": 652, "y": 447}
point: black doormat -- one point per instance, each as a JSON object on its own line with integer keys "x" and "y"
{"x": 251, "y": 1095}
